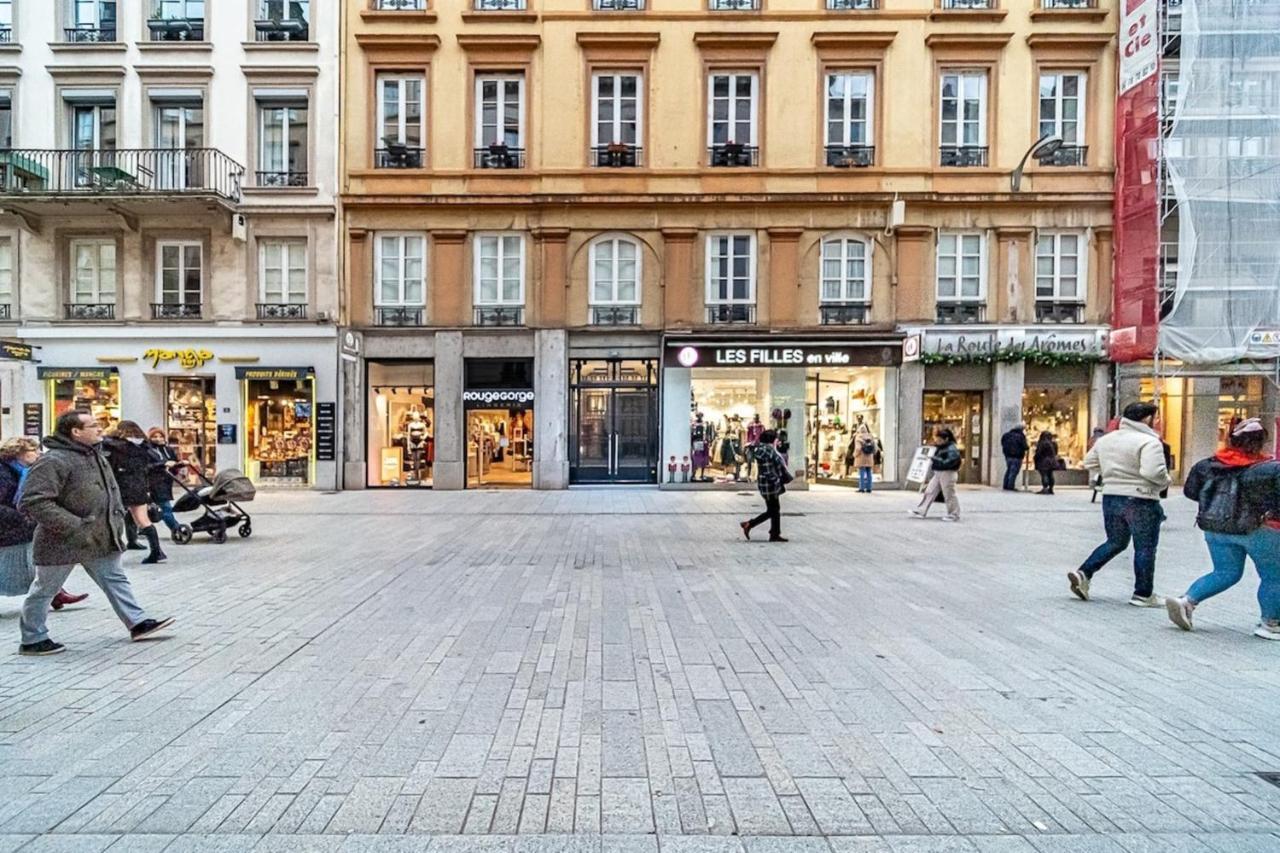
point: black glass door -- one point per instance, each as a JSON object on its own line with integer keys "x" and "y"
{"x": 614, "y": 429}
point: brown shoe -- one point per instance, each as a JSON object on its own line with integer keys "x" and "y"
{"x": 63, "y": 598}
{"x": 746, "y": 529}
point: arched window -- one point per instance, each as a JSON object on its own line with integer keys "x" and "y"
{"x": 615, "y": 272}
{"x": 845, "y": 272}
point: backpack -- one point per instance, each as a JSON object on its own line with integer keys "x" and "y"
{"x": 868, "y": 446}
{"x": 1221, "y": 504}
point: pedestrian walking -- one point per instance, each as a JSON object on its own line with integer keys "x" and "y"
{"x": 1132, "y": 466}
{"x": 946, "y": 469}
{"x": 16, "y": 527}
{"x": 1046, "y": 461}
{"x": 75, "y": 501}
{"x": 133, "y": 464}
{"x": 1014, "y": 445}
{"x": 865, "y": 447}
{"x": 164, "y": 461}
{"x": 1237, "y": 492}
{"x": 772, "y": 477}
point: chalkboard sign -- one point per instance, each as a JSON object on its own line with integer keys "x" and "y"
{"x": 326, "y": 432}
{"x": 226, "y": 433}
{"x": 33, "y": 419}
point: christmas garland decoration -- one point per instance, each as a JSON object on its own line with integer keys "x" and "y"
{"x": 1038, "y": 357}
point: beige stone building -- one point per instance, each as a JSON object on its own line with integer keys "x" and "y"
{"x": 610, "y": 240}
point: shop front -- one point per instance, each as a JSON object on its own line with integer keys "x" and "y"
{"x": 400, "y": 423}
{"x": 613, "y": 416}
{"x": 720, "y": 394}
{"x": 498, "y": 401}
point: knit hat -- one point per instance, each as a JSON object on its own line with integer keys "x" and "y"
{"x": 1248, "y": 425}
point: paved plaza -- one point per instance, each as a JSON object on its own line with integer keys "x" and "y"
{"x": 618, "y": 670}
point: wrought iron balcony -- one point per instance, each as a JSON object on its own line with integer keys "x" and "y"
{"x": 6, "y": 34}
{"x": 130, "y": 171}
{"x": 963, "y": 155}
{"x": 281, "y": 29}
{"x": 1068, "y": 4}
{"x": 852, "y": 5}
{"x": 615, "y": 315}
{"x": 399, "y": 157}
{"x": 617, "y": 5}
{"x": 851, "y": 156}
{"x": 176, "y": 29}
{"x": 282, "y": 179}
{"x": 499, "y": 315}
{"x": 1049, "y": 311}
{"x": 967, "y": 4}
{"x": 844, "y": 314}
{"x": 617, "y": 155}
{"x": 397, "y": 315}
{"x": 733, "y": 5}
{"x": 400, "y": 5}
{"x": 6, "y": 311}
{"x": 89, "y": 34}
{"x": 732, "y": 313}
{"x": 961, "y": 312}
{"x": 282, "y": 311}
{"x": 91, "y": 311}
{"x": 733, "y": 154}
{"x": 500, "y": 5}
{"x": 175, "y": 310}
{"x": 1067, "y": 155}
{"x": 499, "y": 157}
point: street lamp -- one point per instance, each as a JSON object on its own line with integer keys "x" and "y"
{"x": 1042, "y": 147}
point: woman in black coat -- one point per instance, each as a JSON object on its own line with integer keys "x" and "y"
{"x": 164, "y": 460}
{"x": 1046, "y": 461}
{"x": 132, "y": 463}
{"x": 17, "y": 529}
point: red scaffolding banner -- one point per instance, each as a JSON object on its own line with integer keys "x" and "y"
{"x": 1135, "y": 310}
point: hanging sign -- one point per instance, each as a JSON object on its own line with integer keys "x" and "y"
{"x": 326, "y": 432}
{"x": 188, "y": 359}
{"x": 33, "y": 419}
{"x": 275, "y": 373}
{"x": 17, "y": 351}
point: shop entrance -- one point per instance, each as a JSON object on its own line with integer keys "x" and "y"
{"x": 400, "y": 424}
{"x": 191, "y": 420}
{"x": 279, "y": 426}
{"x": 615, "y": 417}
{"x": 500, "y": 447}
{"x": 961, "y": 412}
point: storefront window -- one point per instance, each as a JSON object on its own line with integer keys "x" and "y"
{"x": 730, "y": 409}
{"x": 1064, "y": 412}
{"x": 1172, "y": 400}
{"x": 401, "y": 423}
{"x": 498, "y": 400}
{"x": 99, "y": 396}
{"x": 1239, "y": 398}
{"x": 962, "y": 413}
{"x": 192, "y": 419}
{"x": 279, "y": 431}
{"x": 840, "y": 401}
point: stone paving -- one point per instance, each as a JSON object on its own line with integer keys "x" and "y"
{"x": 605, "y": 670}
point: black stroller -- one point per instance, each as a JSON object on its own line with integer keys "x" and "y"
{"x": 220, "y": 500}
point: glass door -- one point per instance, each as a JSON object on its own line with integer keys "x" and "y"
{"x": 192, "y": 421}
{"x": 179, "y": 136}
{"x": 594, "y": 414}
{"x": 614, "y": 414}
{"x": 961, "y": 412}
{"x": 634, "y": 446}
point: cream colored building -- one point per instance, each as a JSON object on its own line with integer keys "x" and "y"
{"x": 614, "y": 216}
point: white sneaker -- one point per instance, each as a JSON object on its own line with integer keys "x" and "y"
{"x": 951, "y": 518}
{"x": 1148, "y": 601}
{"x": 1268, "y": 630}
{"x": 1179, "y": 612}
{"x": 1079, "y": 584}
{"x": 917, "y": 513}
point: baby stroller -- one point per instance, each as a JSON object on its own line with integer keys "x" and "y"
{"x": 220, "y": 500}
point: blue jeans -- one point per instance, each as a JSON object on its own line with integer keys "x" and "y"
{"x": 106, "y": 573}
{"x": 1012, "y": 466}
{"x": 864, "y": 479}
{"x": 1228, "y": 551}
{"x": 167, "y": 516}
{"x": 1125, "y": 519}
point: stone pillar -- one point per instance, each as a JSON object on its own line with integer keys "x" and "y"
{"x": 782, "y": 305}
{"x": 910, "y": 413}
{"x": 450, "y": 471}
{"x": 682, "y": 298}
{"x": 677, "y": 385}
{"x": 551, "y": 408}
{"x": 353, "y": 407}
{"x": 1013, "y": 299}
{"x": 1098, "y": 307}
{"x": 547, "y": 301}
{"x": 1100, "y": 396}
{"x": 1007, "y": 381}
{"x": 1200, "y": 433}
{"x": 450, "y": 283}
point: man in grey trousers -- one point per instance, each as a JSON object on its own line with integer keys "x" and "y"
{"x": 73, "y": 497}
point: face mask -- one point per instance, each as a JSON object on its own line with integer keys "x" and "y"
{"x": 158, "y": 442}
{"x": 136, "y": 442}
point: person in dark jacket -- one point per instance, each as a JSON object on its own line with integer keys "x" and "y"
{"x": 771, "y": 479}
{"x": 163, "y": 461}
{"x": 946, "y": 469}
{"x": 1014, "y": 445}
{"x": 75, "y": 501}
{"x": 1249, "y": 509}
{"x": 132, "y": 464}
{"x": 1046, "y": 461}
{"x": 17, "y": 455}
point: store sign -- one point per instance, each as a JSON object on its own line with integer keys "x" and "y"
{"x": 326, "y": 432}
{"x": 497, "y": 398}
{"x": 995, "y": 341}
{"x": 33, "y": 419}
{"x": 47, "y": 373}
{"x": 1139, "y": 43}
{"x": 275, "y": 373}
{"x": 785, "y": 355}
{"x": 17, "y": 351}
{"x": 226, "y": 433}
{"x": 351, "y": 345}
{"x": 188, "y": 359}
{"x": 921, "y": 464}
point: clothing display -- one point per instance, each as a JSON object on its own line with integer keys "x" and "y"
{"x": 701, "y": 436}
{"x": 841, "y": 403}
{"x": 500, "y": 447}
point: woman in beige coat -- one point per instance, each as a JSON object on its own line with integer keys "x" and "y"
{"x": 863, "y": 449}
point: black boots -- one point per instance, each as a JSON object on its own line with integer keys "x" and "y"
{"x": 153, "y": 539}
{"x": 131, "y": 534}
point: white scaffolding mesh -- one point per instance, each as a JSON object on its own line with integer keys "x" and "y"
{"x": 1221, "y": 245}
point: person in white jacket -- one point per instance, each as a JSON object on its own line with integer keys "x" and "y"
{"x": 1131, "y": 462}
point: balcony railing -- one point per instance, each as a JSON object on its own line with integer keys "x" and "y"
{"x": 89, "y": 34}
{"x": 6, "y": 34}
{"x": 499, "y": 157}
{"x": 1068, "y": 4}
{"x": 961, "y": 312}
{"x": 400, "y": 5}
{"x": 1067, "y": 155}
{"x": 130, "y": 171}
{"x": 733, "y": 313}
{"x": 1049, "y": 311}
{"x": 175, "y": 310}
{"x": 615, "y": 315}
{"x": 967, "y": 4}
{"x": 500, "y": 5}
{"x": 618, "y": 5}
{"x": 852, "y": 5}
{"x": 282, "y": 311}
{"x": 283, "y": 29}
{"x": 963, "y": 155}
{"x": 176, "y": 29}
{"x": 6, "y": 311}
{"x": 399, "y": 157}
{"x": 844, "y": 314}
{"x": 91, "y": 311}
{"x": 850, "y": 156}
{"x": 499, "y": 315}
{"x": 733, "y": 154}
{"x": 397, "y": 315}
{"x": 733, "y": 5}
{"x": 281, "y": 179}
{"x": 617, "y": 155}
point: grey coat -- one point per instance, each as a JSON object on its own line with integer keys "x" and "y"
{"x": 73, "y": 497}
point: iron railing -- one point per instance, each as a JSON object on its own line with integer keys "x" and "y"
{"x": 733, "y": 5}
{"x": 844, "y": 314}
{"x": 282, "y": 179}
{"x": 176, "y": 310}
{"x": 850, "y": 156}
{"x": 282, "y": 311}
{"x": 968, "y": 4}
{"x": 617, "y": 5}
{"x": 1067, "y": 155}
{"x": 398, "y": 157}
{"x": 6, "y": 35}
{"x": 962, "y": 155}
{"x": 127, "y": 171}
{"x": 397, "y": 315}
{"x": 6, "y": 311}
{"x": 285, "y": 29}
{"x": 90, "y": 310}
{"x": 1068, "y": 4}
{"x": 1048, "y": 311}
{"x": 499, "y": 315}
{"x": 732, "y": 313}
{"x": 499, "y": 157}
{"x": 852, "y": 5}
{"x": 961, "y": 312}
{"x": 733, "y": 154}
{"x": 400, "y": 5}
{"x": 617, "y": 155}
{"x": 500, "y": 5}
{"x": 176, "y": 29}
{"x": 615, "y": 315}
{"x": 89, "y": 34}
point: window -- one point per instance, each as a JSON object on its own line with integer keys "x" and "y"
{"x": 6, "y": 277}
{"x": 1061, "y": 115}
{"x": 179, "y": 132}
{"x": 6, "y": 118}
{"x": 1059, "y": 267}
{"x": 283, "y": 20}
{"x": 93, "y": 271}
{"x": 178, "y": 270}
{"x": 401, "y": 263}
{"x": 91, "y": 21}
{"x": 615, "y": 272}
{"x": 615, "y": 118}
{"x": 283, "y": 271}
{"x": 500, "y": 120}
{"x": 499, "y": 269}
{"x": 961, "y": 267}
{"x": 176, "y": 20}
{"x": 846, "y": 270}
{"x": 963, "y": 123}
{"x": 731, "y": 269}
{"x": 732, "y": 110}
{"x": 6, "y": 20}
{"x": 93, "y": 126}
{"x": 849, "y": 130}
{"x": 282, "y": 156}
{"x": 401, "y": 117}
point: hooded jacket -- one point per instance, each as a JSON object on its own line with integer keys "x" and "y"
{"x": 16, "y": 527}
{"x": 1130, "y": 461}
{"x": 1014, "y": 444}
{"x": 73, "y": 497}
{"x": 1259, "y": 485}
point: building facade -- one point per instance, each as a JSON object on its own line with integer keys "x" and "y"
{"x": 168, "y": 224}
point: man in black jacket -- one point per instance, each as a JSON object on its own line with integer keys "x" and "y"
{"x": 1015, "y": 447}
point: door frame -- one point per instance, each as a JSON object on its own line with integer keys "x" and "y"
{"x": 614, "y": 385}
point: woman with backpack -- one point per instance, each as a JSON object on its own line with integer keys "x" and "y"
{"x": 1237, "y": 492}
{"x": 864, "y": 449}
{"x": 1046, "y": 461}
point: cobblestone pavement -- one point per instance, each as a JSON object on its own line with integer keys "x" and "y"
{"x": 619, "y": 670}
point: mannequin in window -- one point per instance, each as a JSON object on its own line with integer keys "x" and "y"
{"x": 731, "y": 446}
{"x": 700, "y": 435}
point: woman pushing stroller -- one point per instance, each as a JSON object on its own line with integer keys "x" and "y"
{"x": 133, "y": 464}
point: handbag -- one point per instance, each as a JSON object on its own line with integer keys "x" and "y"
{"x": 153, "y": 512}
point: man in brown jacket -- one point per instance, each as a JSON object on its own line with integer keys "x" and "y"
{"x": 73, "y": 497}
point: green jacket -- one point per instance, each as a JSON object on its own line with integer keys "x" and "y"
{"x": 73, "y": 497}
